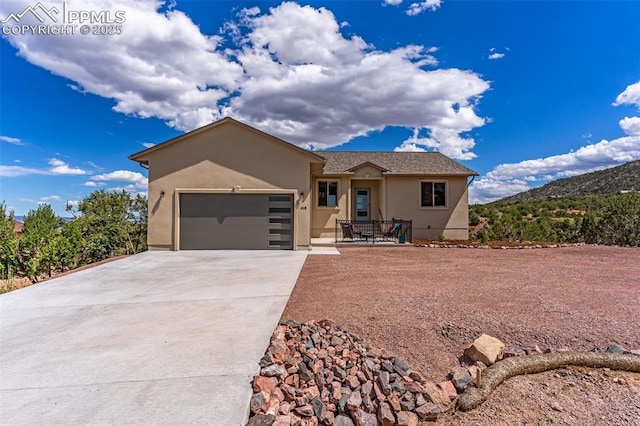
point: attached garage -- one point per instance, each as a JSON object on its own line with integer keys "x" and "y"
{"x": 211, "y": 221}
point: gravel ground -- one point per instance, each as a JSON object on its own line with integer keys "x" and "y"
{"x": 426, "y": 305}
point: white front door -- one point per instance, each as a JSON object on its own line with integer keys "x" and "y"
{"x": 362, "y": 208}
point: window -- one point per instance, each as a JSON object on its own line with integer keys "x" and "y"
{"x": 327, "y": 193}
{"x": 433, "y": 194}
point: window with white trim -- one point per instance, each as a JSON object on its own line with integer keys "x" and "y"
{"x": 433, "y": 194}
{"x": 327, "y": 193}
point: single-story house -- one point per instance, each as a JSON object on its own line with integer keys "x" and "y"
{"x": 228, "y": 185}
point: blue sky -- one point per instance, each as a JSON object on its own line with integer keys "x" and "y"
{"x": 521, "y": 92}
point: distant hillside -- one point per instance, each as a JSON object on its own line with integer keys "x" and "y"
{"x": 608, "y": 181}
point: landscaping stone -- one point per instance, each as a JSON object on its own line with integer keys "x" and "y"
{"x": 343, "y": 420}
{"x": 319, "y": 409}
{"x": 261, "y": 420}
{"x": 407, "y": 418}
{"x": 355, "y": 401}
{"x": 400, "y": 365}
{"x": 305, "y": 410}
{"x": 282, "y": 421}
{"x": 616, "y": 349}
{"x": 259, "y": 402}
{"x": 474, "y": 371}
{"x": 339, "y": 373}
{"x": 485, "y": 349}
{"x": 273, "y": 370}
{"x": 460, "y": 378}
{"x": 385, "y": 415}
{"x": 428, "y": 411}
{"x": 448, "y": 389}
{"x": 383, "y": 380}
{"x": 437, "y": 395}
{"x": 362, "y": 418}
{"x": 264, "y": 384}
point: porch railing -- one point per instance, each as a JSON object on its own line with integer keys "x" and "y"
{"x": 372, "y": 231}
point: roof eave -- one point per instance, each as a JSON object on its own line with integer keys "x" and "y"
{"x": 140, "y": 156}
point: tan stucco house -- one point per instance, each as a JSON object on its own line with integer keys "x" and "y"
{"x": 228, "y": 185}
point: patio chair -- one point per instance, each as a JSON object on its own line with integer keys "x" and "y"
{"x": 350, "y": 231}
{"x": 393, "y": 231}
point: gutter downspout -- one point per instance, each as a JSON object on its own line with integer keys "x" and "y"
{"x": 470, "y": 182}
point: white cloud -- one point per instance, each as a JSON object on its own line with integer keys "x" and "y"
{"x": 73, "y": 203}
{"x": 50, "y": 198}
{"x": 160, "y": 66}
{"x": 14, "y": 171}
{"x": 136, "y": 179}
{"x": 630, "y": 125}
{"x": 148, "y": 144}
{"x": 496, "y": 55}
{"x": 418, "y": 8}
{"x": 13, "y": 141}
{"x": 59, "y": 167}
{"x": 447, "y": 141}
{"x": 630, "y": 96}
{"x": 289, "y": 71}
{"x": 391, "y": 2}
{"x": 509, "y": 179}
{"x": 95, "y": 166}
{"x": 318, "y": 97}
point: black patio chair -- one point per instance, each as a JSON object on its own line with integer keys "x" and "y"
{"x": 393, "y": 230}
{"x": 350, "y": 232}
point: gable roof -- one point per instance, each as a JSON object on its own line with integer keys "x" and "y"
{"x": 366, "y": 163}
{"x": 141, "y": 156}
{"x": 394, "y": 163}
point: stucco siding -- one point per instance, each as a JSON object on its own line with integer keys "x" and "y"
{"x": 225, "y": 158}
{"x": 403, "y": 202}
{"x": 324, "y": 218}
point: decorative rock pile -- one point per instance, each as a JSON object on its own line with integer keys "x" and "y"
{"x": 317, "y": 373}
{"x": 511, "y": 246}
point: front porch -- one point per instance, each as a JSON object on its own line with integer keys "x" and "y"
{"x": 395, "y": 231}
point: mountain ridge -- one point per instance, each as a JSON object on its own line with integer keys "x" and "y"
{"x": 613, "y": 180}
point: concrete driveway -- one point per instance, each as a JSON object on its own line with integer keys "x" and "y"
{"x": 156, "y": 338}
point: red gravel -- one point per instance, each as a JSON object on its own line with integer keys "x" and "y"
{"x": 426, "y": 305}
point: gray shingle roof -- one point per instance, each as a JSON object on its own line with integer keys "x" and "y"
{"x": 397, "y": 163}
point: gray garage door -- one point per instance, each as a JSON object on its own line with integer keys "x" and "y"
{"x": 236, "y": 221}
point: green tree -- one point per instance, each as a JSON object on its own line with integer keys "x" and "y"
{"x": 110, "y": 224}
{"x": 507, "y": 227}
{"x": 589, "y": 228}
{"x": 620, "y": 224}
{"x": 34, "y": 249}
{"x": 474, "y": 218}
{"x": 8, "y": 243}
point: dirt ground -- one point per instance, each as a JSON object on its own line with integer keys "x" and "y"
{"x": 427, "y": 304}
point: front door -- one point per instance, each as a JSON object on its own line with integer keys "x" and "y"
{"x": 362, "y": 208}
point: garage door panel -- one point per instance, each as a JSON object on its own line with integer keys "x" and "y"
{"x": 236, "y": 221}
{"x": 223, "y": 205}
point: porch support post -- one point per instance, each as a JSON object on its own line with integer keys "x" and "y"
{"x": 382, "y": 202}
{"x": 349, "y": 200}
